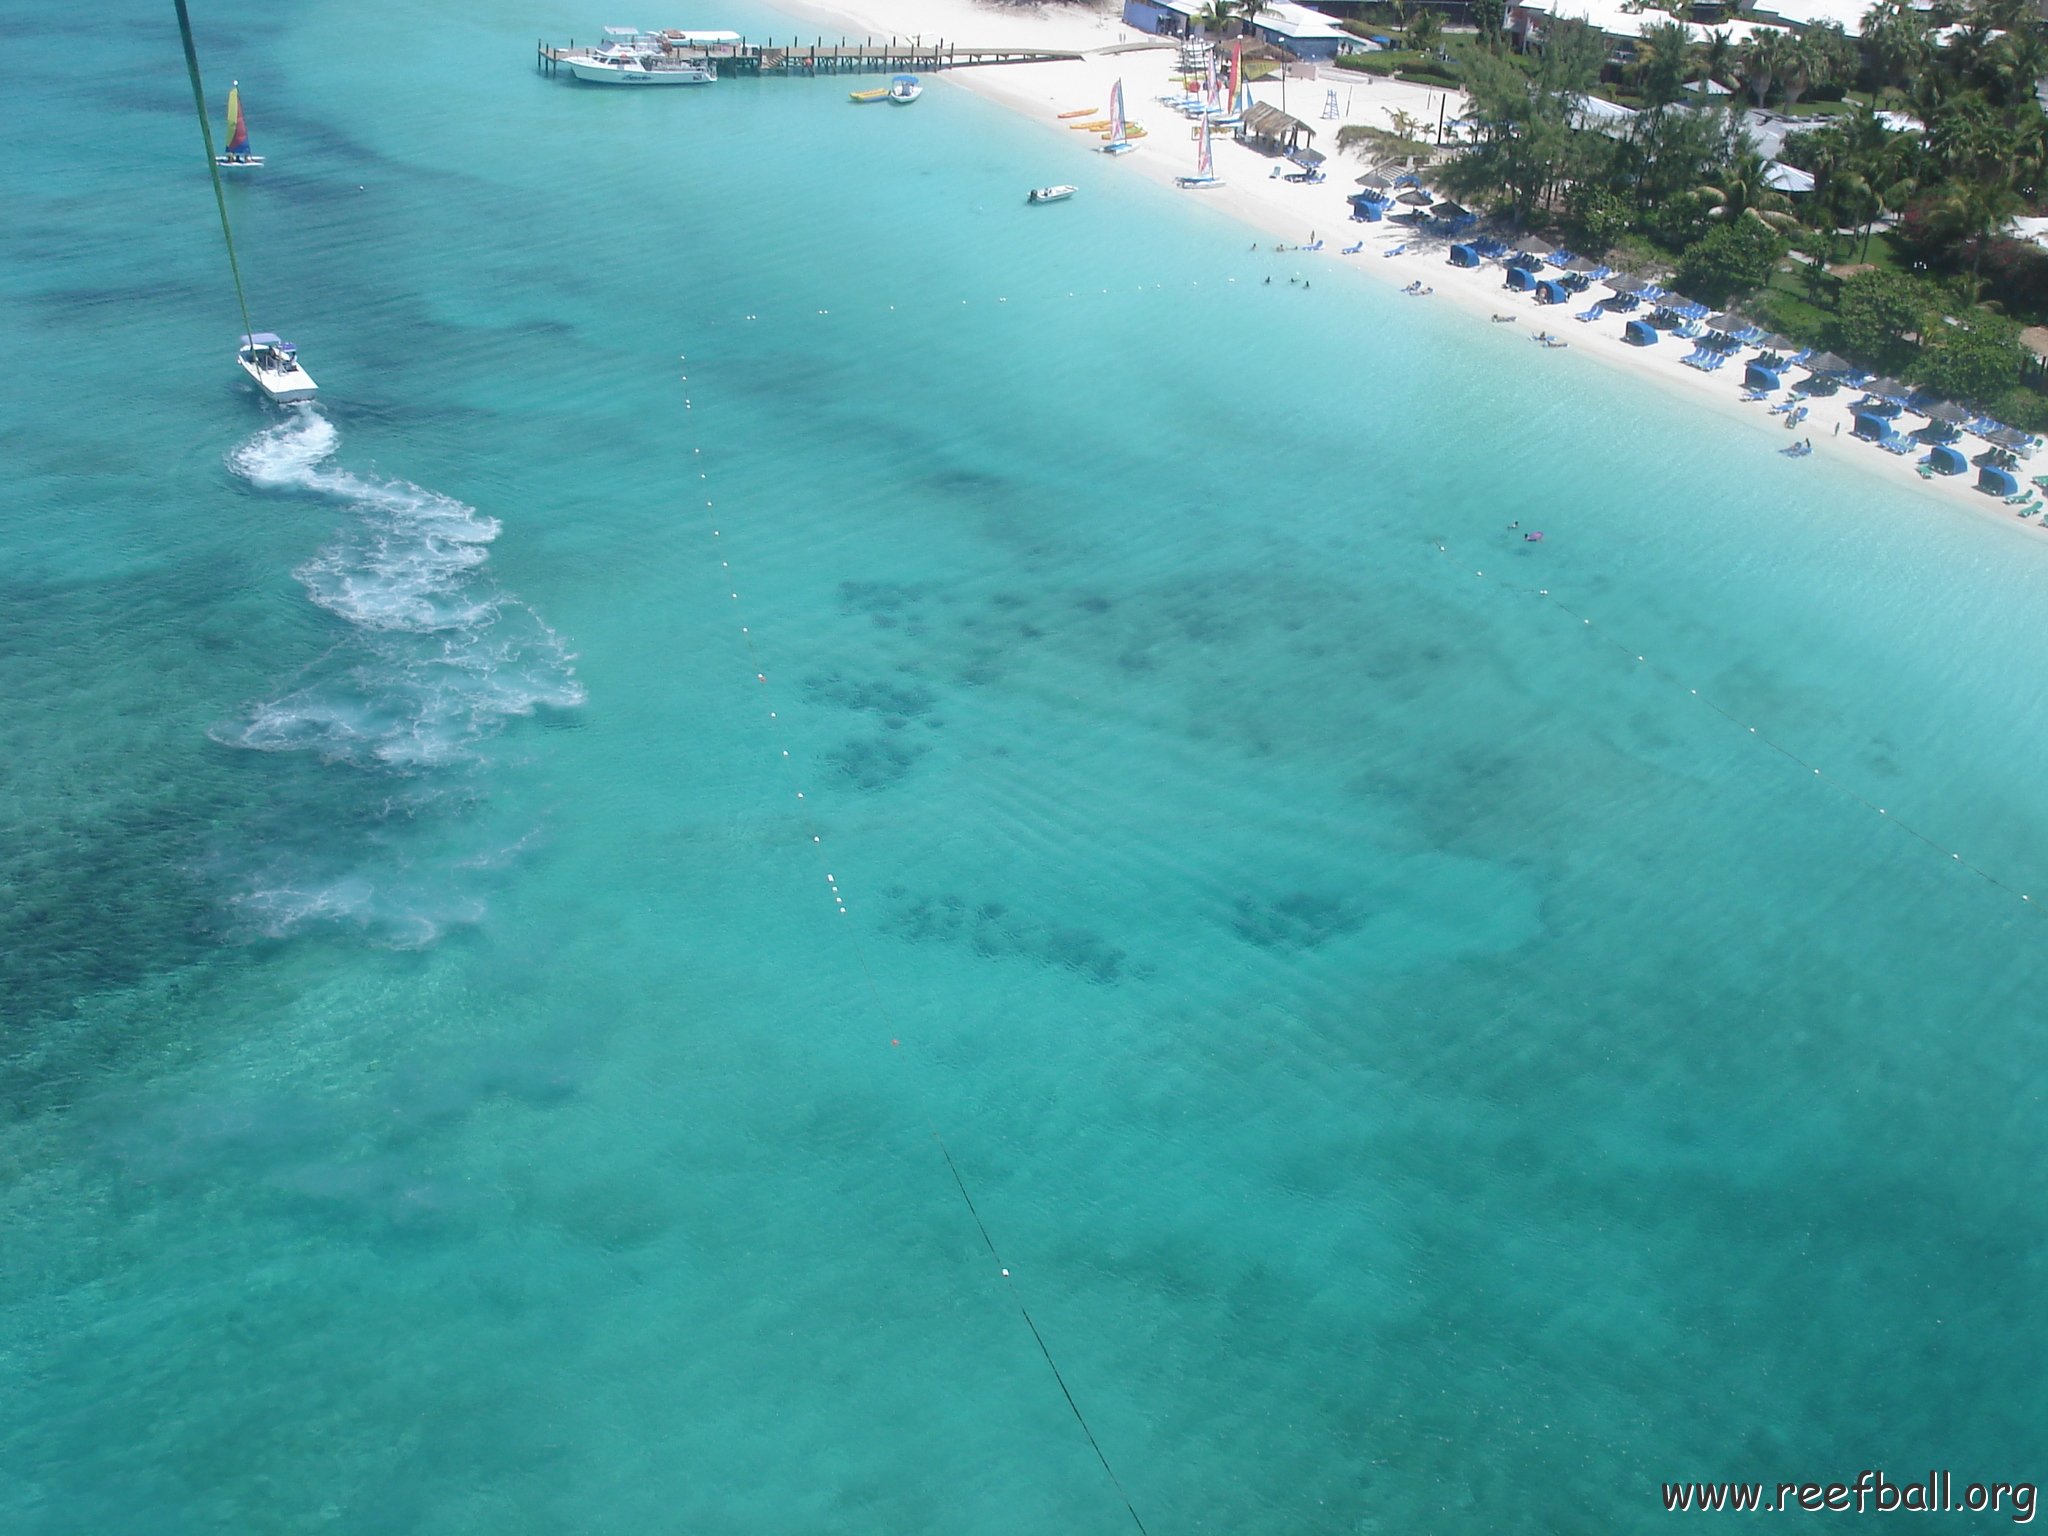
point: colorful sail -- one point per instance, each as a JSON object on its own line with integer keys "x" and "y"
{"x": 238, "y": 125}
{"x": 1204, "y": 165}
{"x": 1209, "y": 81}
{"x": 1116, "y": 113}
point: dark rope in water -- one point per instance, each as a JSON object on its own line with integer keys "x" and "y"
{"x": 220, "y": 198}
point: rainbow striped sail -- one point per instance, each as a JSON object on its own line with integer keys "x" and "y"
{"x": 238, "y": 125}
{"x": 1116, "y": 113}
{"x": 1205, "y": 165}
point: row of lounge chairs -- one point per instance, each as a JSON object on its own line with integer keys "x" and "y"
{"x": 1720, "y": 337}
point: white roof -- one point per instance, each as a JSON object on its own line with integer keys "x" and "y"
{"x": 1848, "y": 14}
{"x": 1628, "y": 18}
{"x": 1787, "y": 178}
{"x": 1291, "y": 20}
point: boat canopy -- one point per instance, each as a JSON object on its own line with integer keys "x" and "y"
{"x": 266, "y": 339}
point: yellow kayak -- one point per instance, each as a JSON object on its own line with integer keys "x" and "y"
{"x": 878, "y": 95}
{"x": 1095, "y": 127}
{"x": 1080, "y": 112}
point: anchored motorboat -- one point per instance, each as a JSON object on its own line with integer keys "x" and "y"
{"x": 1051, "y": 194}
{"x": 904, "y": 89}
{"x": 273, "y": 363}
{"x": 633, "y": 57}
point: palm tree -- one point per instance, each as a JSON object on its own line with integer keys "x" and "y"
{"x": 1215, "y": 17}
{"x": 1425, "y": 31}
{"x": 1973, "y": 211}
{"x": 1491, "y": 18}
{"x": 1740, "y": 192}
{"x": 1663, "y": 60}
{"x": 1717, "y": 56}
{"x": 1895, "y": 37}
{"x": 1763, "y": 60}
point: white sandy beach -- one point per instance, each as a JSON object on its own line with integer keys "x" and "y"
{"x": 1294, "y": 214}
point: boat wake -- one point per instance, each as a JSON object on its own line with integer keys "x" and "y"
{"x": 430, "y": 660}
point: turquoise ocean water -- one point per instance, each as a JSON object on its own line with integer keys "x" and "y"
{"x": 1424, "y": 1070}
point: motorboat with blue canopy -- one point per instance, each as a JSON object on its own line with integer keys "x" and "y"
{"x": 273, "y": 364}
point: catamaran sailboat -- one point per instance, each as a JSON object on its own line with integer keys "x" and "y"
{"x": 1205, "y": 164}
{"x": 273, "y": 363}
{"x": 1119, "y": 139}
{"x": 235, "y": 154}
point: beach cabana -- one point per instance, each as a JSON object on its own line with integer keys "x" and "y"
{"x": 1757, "y": 376}
{"x": 1993, "y": 481}
{"x": 1944, "y": 460}
{"x": 1464, "y": 256}
{"x": 1521, "y": 280}
{"x": 1870, "y": 426}
{"x": 1639, "y": 333}
{"x": 1368, "y": 207}
{"x": 1551, "y": 291}
{"x": 1266, "y": 125}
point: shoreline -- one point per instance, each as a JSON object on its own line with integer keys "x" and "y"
{"x": 1291, "y": 213}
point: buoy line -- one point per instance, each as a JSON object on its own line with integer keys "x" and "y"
{"x": 813, "y": 831}
{"x": 1841, "y": 786}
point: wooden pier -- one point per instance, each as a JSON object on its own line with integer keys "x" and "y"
{"x": 800, "y": 58}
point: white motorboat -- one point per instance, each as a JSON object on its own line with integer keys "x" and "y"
{"x": 904, "y": 89}
{"x": 621, "y": 66}
{"x": 1051, "y": 194}
{"x": 273, "y": 363}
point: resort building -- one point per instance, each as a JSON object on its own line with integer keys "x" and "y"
{"x": 1305, "y": 33}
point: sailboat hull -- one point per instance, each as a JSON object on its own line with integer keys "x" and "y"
{"x": 237, "y": 162}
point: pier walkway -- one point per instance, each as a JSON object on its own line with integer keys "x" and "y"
{"x": 864, "y": 56}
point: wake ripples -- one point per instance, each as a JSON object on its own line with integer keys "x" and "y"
{"x": 431, "y": 661}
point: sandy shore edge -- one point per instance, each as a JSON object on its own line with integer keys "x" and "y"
{"x": 1290, "y": 214}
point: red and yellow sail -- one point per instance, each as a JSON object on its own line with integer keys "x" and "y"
{"x": 238, "y": 125}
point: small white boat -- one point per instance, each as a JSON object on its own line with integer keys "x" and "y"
{"x": 1051, "y": 194}
{"x": 273, "y": 363}
{"x": 235, "y": 155}
{"x": 904, "y": 89}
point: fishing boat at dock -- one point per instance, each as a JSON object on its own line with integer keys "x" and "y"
{"x": 633, "y": 57}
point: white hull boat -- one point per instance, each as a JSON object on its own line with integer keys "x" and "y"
{"x": 904, "y": 89}
{"x": 1051, "y": 194}
{"x": 272, "y": 364}
{"x": 641, "y": 70}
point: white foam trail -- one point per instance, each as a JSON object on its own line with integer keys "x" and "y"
{"x": 432, "y": 661}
